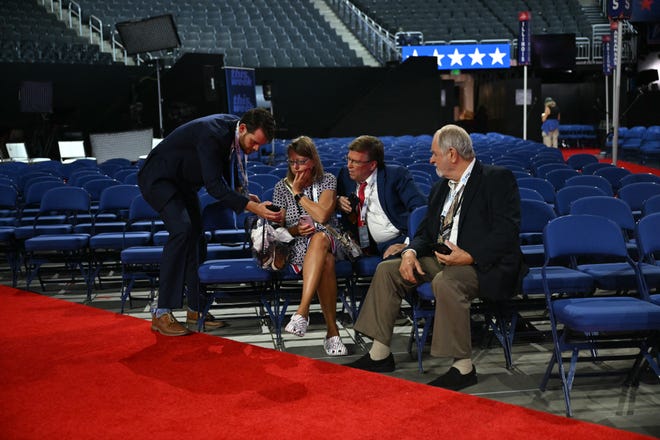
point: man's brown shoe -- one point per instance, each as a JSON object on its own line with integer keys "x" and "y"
{"x": 210, "y": 322}
{"x": 168, "y": 325}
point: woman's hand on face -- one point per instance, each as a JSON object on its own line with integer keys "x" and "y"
{"x": 300, "y": 181}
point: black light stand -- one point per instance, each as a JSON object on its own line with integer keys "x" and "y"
{"x": 150, "y": 35}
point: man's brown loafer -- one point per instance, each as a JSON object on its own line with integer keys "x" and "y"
{"x": 168, "y": 325}
{"x": 210, "y": 322}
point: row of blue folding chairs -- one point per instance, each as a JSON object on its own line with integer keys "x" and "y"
{"x": 591, "y": 288}
{"x": 634, "y": 194}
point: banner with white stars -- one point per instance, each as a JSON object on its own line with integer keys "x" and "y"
{"x": 463, "y": 56}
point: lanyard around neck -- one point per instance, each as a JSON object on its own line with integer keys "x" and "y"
{"x": 453, "y": 193}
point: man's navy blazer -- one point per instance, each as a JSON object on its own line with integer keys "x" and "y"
{"x": 397, "y": 192}
{"x": 488, "y": 229}
{"x": 195, "y": 154}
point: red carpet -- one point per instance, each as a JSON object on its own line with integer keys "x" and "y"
{"x": 70, "y": 371}
{"x": 630, "y": 166}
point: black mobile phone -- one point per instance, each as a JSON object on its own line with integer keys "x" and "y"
{"x": 273, "y": 208}
{"x": 441, "y": 248}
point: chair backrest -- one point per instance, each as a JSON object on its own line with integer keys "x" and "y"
{"x": 613, "y": 175}
{"x": 8, "y": 196}
{"x": 267, "y": 194}
{"x": 605, "y": 206}
{"x": 534, "y": 215}
{"x": 34, "y": 179}
{"x": 648, "y": 238}
{"x": 591, "y": 168}
{"x": 577, "y": 161}
{"x": 131, "y": 179}
{"x": 421, "y": 166}
{"x": 651, "y": 205}
{"x": 260, "y": 169}
{"x": 415, "y": 218}
{"x": 35, "y": 193}
{"x": 574, "y": 235}
{"x": 543, "y": 170}
{"x": 140, "y": 210}
{"x": 96, "y": 186}
{"x": 637, "y": 193}
{"x": 118, "y": 197}
{"x": 255, "y": 188}
{"x": 81, "y": 179}
{"x": 591, "y": 180}
{"x": 568, "y": 194}
{"x": 265, "y": 180}
{"x": 121, "y": 173}
{"x": 559, "y": 176}
{"x": 530, "y": 194}
{"x": 544, "y": 187}
{"x": 24, "y": 177}
{"x": 639, "y": 177}
{"x": 65, "y": 199}
{"x": 216, "y": 215}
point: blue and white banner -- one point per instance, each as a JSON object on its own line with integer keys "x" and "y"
{"x": 608, "y": 55}
{"x": 619, "y": 9}
{"x": 241, "y": 92}
{"x": 463, "y": 56}
{"x": 524, "y": 37}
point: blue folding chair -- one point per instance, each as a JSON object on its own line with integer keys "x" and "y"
{"x": 8, "y": 245}
{"x": 577, "y": 161}
{"x": 543, "y": 170}
{"x": 65, "y": 247}
{"x": 580, "y": 320}
{"x": 534, "y": 215}
{"x": 637, "y": 193}
{"x": 648, "y": 241}
{"x": 613, "y": 175}
{"x": 111, "y": 231}
{"x": 651, "y": 205}
{"x": 591, "y": 168}
{"x": 141, "y": 262}
{"x": 543, "y": 187}
{"x": 559, "y": 176}
{"x": 265, "y": 180}
{"x": 639, "y": 177}
{"x": 591, "y": 180}
{"x": 421, "y": 300}
{"x": 568, "y": 194}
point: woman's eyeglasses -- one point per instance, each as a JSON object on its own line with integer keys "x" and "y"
{"x": 298, "y": 162}
{"x": 356, "y": 162}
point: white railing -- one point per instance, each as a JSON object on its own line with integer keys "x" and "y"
{"x": 75, "y": 11}
{"x": 96, "y": 26}
{"x": 375, "y": 38}
{"x": 53, "y": 5}
{"x": 628, "y": 46}
{"x": 118, "y": 47}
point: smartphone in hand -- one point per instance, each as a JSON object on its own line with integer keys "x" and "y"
{"x": 441, "y": 248}
{"x": 273, "y": 208}
{"x": 306, "y": 220}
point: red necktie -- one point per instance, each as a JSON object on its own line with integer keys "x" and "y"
{"x": 363, "y": 185}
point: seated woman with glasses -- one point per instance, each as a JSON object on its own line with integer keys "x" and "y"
{"x": 307, "y": 194}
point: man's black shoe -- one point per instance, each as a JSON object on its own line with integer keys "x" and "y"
{"x": 366, "y": 363}
{"x": 454, "y": 380}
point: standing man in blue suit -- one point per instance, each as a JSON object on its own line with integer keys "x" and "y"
{"x": 376, "y": 199}
{"x": 212, "y": 152}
